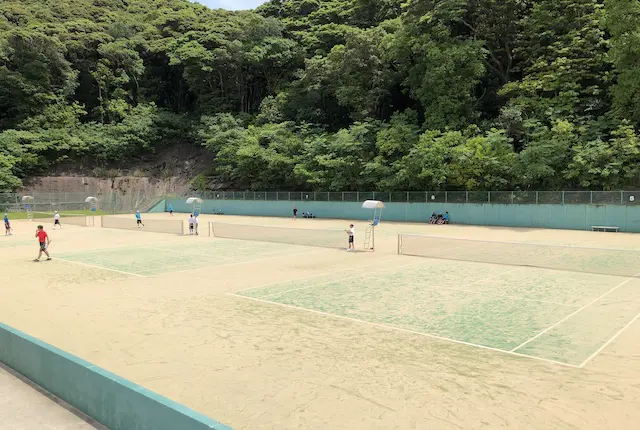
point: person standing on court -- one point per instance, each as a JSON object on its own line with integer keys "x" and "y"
{"x": 352, "y": 237}
{"x": 139, "y": 219}
{"x": 295, "y": 212}
{"x": 170, "y": 209}
{"x": 7, "y": 225}
{"x": 196, "y": 221}
{"x": 43, "y": 241}
{"x": 192, "y": 221}
{"x": 56, "y": 220}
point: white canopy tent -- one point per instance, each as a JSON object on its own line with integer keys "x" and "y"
{"x": 196, "y": 203}
{"x": 27, "y": 201}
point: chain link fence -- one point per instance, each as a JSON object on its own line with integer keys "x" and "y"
{"x": 121, "y": 202}
{"x": 112, "y": 202}
{"x": 495, "y": 197}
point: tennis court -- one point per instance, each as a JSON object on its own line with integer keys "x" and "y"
{"x": 269, "y": 323}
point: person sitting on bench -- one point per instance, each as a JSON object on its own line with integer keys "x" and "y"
{"x": 433, "y": 219}
{"x": 445, "y": 218}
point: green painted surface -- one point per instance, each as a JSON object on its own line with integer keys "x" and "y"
{"x": 468, "y": 302}
{"x": 574, "y": 217}
{"x": 113, "y": 401}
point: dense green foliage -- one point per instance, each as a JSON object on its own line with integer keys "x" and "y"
{"x": 331, "y": 94}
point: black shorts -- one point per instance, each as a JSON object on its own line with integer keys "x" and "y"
{"x": 7, "y": 225}
{"x": 43, "y": 246}
{"x": 56, "y": 222}
{"x": 138, "y": 221}
{"x": 190, "y": 226}
{"x": 351, "y": 239}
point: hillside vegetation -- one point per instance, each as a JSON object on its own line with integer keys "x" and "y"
{"x": 331, "y": 94}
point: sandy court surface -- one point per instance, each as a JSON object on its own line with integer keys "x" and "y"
{"x": 261, "y": 335}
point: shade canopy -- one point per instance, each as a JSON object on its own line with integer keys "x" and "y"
{"x": 372, "y": 204}
{"x": 90, "y": 200}
{"x": 192, "y": 200}
{"x": 27, "y": 199}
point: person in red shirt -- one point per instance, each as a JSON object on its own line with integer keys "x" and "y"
{"x": 43, "y": 239}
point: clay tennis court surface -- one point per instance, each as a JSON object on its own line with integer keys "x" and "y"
{"x": 263, "y": 335}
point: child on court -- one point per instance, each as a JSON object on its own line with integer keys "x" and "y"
{"x": 56, "y": 220}
{"x": 352, "y": 235}
{"x": 44, "y": 241}
{"x": 139, "y": 219}
{"x": 196, "y": 222}
{"x": 192, "y": 222}
{"x": 170, "y": 209}
{"x": 295, "y": 213}
{"x": 7, "y": 225}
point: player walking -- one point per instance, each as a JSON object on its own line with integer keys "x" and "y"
{"x": 44, "y": 241}
{"x": 295, "y": 212}
{"x": 56, "y": 220}
{"x": 352, "y": 236}
{"x": 139, "y": 219}
{"x": 196, "y": 222}
{"x": 7, "y": 225}
{"x": 170, "y": 209}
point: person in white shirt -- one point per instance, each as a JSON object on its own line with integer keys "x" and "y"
{"x": 192, "y": 221}
{"x": 196, "y": 222}
{"x": 56, "y": 220}
{"x": 352, "y": 235}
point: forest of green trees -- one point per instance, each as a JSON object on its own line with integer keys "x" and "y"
{"x": 328, "y": 94}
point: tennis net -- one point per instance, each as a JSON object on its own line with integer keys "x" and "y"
{"x": 604, "y": 261}
{"x": 173, "y": 226}
{"x": 288, "y": 235}
{"x": 70, "y": 219}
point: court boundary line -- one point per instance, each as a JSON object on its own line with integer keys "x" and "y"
{"x": 575, "y": 313}
{"x": 505, "y": 295}
{"x": 607, "y": 343}
{"x": 390, "y": 327}
{"x": 99, "y": 267}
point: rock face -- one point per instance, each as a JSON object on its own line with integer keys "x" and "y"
{"x": 91, "y": 185}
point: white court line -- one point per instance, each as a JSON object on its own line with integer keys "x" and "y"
{"x": 389, "y": 327}
{"x": 592, "y": 356}
{"x": 273, "y": 256}
{"x": 98, "y": 267}
{"x": 311, "y": 276}
{"x": 574, "y": 313}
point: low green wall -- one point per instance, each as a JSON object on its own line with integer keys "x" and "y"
{"x": 105, "y": 397}
{"x": 574, "y": 217}
{"x": 158, "y": 207}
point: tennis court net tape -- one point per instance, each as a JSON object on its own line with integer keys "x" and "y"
{"x": 173, "y": 226}
{"x": 604, "y": 261}
{"x": 288, "y": 235}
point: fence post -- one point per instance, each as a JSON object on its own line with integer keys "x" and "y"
{"x": 426, "y": 196}
{"x": 621, "y": 197}
{"x": 488, "y": 196}
{"x": 389, "y": 196}
{"x": 466, "y": 196}
{"x": 343, "y": 196}
{"x": 446, "y": 197}
{"x": 289, "y": 195}
{"x": 407, "y": 196}
{"x": 590, "y": 197}
{"x": 537, "y": 197}
{"x": 357, "y": 196}
{"x": 563, "y": 197}
{"x": 512, "y": 196}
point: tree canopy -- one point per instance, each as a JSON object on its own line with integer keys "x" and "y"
{"x": 328, "y": 95}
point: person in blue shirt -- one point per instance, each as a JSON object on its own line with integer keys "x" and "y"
{"x": 7, "y": 225}
{"x": 139, "y": 219}
{"x": 170, "y": 209}
{"x": 445, "y": 218}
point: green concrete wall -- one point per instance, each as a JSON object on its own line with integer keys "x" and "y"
{"x": 158, "y": 207}
{"x": 574, "y": 217}
{"x": 105, "y": 397}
